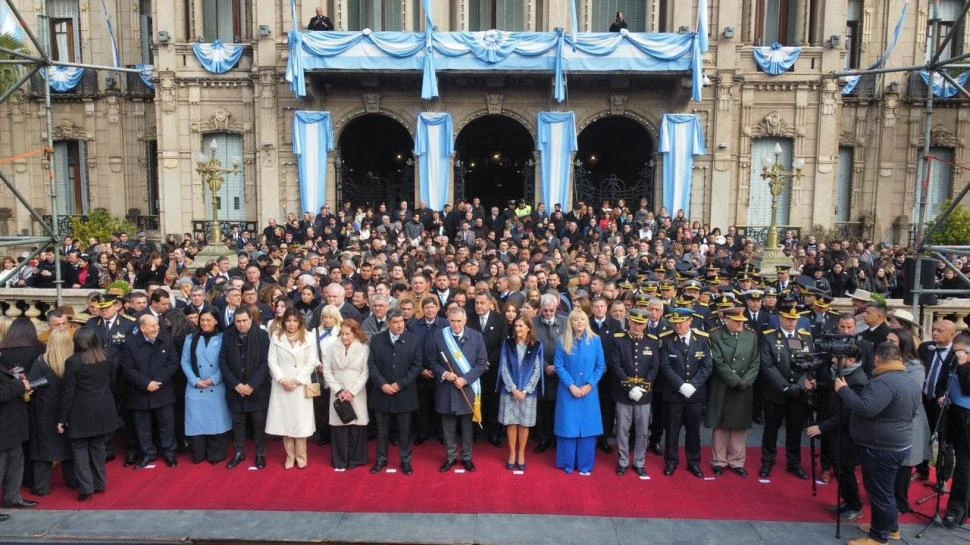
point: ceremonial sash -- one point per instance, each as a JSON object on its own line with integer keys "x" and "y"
{"x": 460, "y": 360}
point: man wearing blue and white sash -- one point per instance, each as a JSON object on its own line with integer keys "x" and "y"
{"x": 459, "y": 360}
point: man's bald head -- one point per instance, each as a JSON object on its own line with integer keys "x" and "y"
{"x": 943, "y": 331}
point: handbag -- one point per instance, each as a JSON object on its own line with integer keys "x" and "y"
{"x": 345, "y": 410}
{"x": 313, "y": 389}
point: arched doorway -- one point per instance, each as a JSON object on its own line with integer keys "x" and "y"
{"x": 615, "y": 161}
{"x": 494, "y": 161}
{"x": 375, "y": 163}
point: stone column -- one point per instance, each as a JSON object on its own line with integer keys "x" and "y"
{"x": 167, "y": 63}
{"x": 266, "y": 117}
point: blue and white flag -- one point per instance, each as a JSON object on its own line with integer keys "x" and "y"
{"x": 434, "y": 146}
{"x": 703, "y": 25}
{"x": 218, "y": 57}
{"x": 115, "y": 53}
{"x": 312, "y": 143}
{"x": 681, "y": 138}
{"x": 556, "y": 145}
{"x": 63, "y": 78}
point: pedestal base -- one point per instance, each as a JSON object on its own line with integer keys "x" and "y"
{"x": 768, "y": 259}
{"x": 213, "y": 252}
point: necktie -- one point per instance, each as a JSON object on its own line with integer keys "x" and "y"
{"x": 380, "y": 325}
{"x": 483, "y": 323}
{"x": 457, "y": 338}
{"x": 930, "y": 386}
{"x": 683, "y": 341}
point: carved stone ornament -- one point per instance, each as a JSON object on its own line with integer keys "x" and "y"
{"x": 618, "y": 104}
{"x": 772, "y": 125}
{"x": 372, "y": 103}
{"x": 830, "y": 97}
{"x": 493, "y": 102}
{"x": 725, "y": 88}
{"x": 847, "y": 138}
{"x": 940, "y": 136}
{"x": 166, "y": 91}
{"x": 67, "y": 130}
{"x": 219, "y": 121}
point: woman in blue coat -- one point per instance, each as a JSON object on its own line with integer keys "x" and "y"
{"x": 580, "y": 365}
{"x": 207, "y": 416}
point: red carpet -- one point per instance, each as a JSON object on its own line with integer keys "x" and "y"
{"x": 542, "y": 490}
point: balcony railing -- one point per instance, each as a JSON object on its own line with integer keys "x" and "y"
{"x": 64, "y": 223}
{"x": 205, "y": 227}
{"x": 136, "y": 87}
{"x": 759, "y": 234}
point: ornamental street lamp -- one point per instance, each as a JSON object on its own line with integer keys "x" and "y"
{"x": 778, "y": 178}
{"x": 214, "y": 175}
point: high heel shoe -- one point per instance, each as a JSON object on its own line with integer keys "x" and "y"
{"x": 520, "y": 467}
{"x": 510, "y": 466}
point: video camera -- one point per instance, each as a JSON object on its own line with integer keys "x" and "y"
{"x": 837, "y": 345}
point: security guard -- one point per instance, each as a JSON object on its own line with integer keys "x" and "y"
{"x": 634, "y": 360}
{"x": 686, "y": 364}
{"x": 784, "y": 385}
{"x": 113, "y": 328}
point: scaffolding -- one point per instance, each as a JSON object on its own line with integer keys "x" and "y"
{"x": 29, "y": 64}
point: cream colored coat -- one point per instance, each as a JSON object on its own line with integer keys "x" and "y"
{"x": 347, "y": 370}
{"x": 290, "y": 414}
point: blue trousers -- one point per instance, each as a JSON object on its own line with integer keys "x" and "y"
{"x": 574, "y": 453}
{"x": 879, "y": 469}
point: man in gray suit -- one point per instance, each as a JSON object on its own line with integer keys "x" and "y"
{"x": 377, "y": 321}
{"x": 454, "y": 390}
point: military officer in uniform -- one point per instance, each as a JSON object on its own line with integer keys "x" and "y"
{"x": 686, "y": 364}
{"x": 634, "y": 359}
{"x": 656, "y": 324}
{"x": 113, "y": 328}
{"x": 823, "y": 320}
{"x": 784, "y": 386}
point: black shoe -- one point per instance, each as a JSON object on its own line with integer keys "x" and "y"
{"x": 322, "y": 441}
{"x": 640, "y": 471}
{"x": 669, "y": 470}
{"x": 718, "y": 470}
{"x": 130, "y": 460}
{"x": 4, "y": 517}
{"x": 656, "y": 449}
{"x": 798, "y": 472}
{"x": 740, "y": 472}
{"x": 603, "y": 445}
{"x": 237, "y": 459}
{"x": 836, "y": 508}
{"x": 378, "y": 466}
{"x": 695, "y": 470}
{"x": 446, "y": 467}
{"x": 22, "y": 504}
{"x": 849, "y": 515}
{"x": 406, "y": 468}
{"x": 145, "y": 462}
{"x": 949, "y": 521}
{"x": 84, "y": 497}
{"x": 510, "y": 466}
{"x": 765, "y": 471}
{"x": 542, "y": 446}
{"x": 260, "y": 461}
{"x": 170, "y": 460}
{"x": 620, "y": 470}
{"x": 469, "y": 465}
{"x": 110, "y": 458}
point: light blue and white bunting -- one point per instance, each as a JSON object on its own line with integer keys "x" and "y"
{"x": 115, "y": 52}
{"x": 556, "y": 143}
{"x": 434, "y": 146}
{"x": 942, "y": 88}
{"x": 146, "y": 74}
{"x": 776, "y": 58}
{"x": 703, "y": 25}
{"x": 681, "y": 138}
{"x": 9, "y": 24}
{"x": 63, "y": 78}
{"x": 851, "y": 82}
{"x": 312, "y": 143}
{"x": 218, "y": 57}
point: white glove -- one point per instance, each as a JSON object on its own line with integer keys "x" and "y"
{"x": 687, "y": 390}
{"x": 636, "y": 393}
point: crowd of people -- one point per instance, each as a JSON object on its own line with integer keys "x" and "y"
{"x": 588, "y": 329}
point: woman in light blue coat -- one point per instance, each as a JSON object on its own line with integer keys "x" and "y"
{"x": 207, "y": 416}
{"x": 580, "y": 365}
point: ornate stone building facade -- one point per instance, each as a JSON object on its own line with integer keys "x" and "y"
{"x": 132, "y": 150}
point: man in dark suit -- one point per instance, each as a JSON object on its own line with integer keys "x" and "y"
{"x": 758, "y": 318}
{"x": 877, "y": 329}
{"x": 685, "y": 355}
{"x": 243, "y": 362}
{"x": 114, "y": 329}
{"x": 14, "y": 419}
{"x": 937, "y": 356}
{"x": 396, "y": 359}
{"x": 455, "y": 392}
{"x": 549, "y": 327}
{"x": 783, "y": 390}
{"x": 334, "y": 294}
{"x": 605, "y": 326}
{"x": 425, "y": 422}
{"x": 148, "y": 363}
{"x": 494, "y": 330}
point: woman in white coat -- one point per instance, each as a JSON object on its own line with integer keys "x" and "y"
{"x": 345, "y": 372}
{"x": 292, "y": 359}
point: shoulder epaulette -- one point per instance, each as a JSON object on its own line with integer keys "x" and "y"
{"x": 699, "y": 332}
{"x": 619, "y": 334}
{"x": 127, "y": 317}
{"x": 652, "y": 336}
{"x": 665, "y": 333}
{"x": 768, "y": 331}
{"x": 804, "y": 332}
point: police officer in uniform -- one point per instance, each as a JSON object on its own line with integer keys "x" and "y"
{"x": 784, "y": 391}
{"x": 634, "y": 359}
{"x": 113, "y": 328}
{"x": 685, "y": 355}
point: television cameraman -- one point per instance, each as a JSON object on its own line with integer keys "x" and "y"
{"x": 881, "y": 424}
{"x": 14, "y": 389}
{"x": 835, "y": 427}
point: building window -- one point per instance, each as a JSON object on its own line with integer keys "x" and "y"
{"x": 775, "y": 21}
{"x": 64, "y": 30}
{"x": 375, "y": 15}
{"x": 71, "y": 177}
{"x": 151, "y": 172}
{"x": 225, "y": 20}
{"x": 508, "y": 15}
{"x": 853, "y": 34}
{"x": 941, "y": 182}
{"x": 146, "y": 28}
{"x": 634, "y": 11}
{"x": 231, "y": 197}
{"x": 759, "y": 195}
{"x": 948, "y": 12}
{"x": 843, "y": 190}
